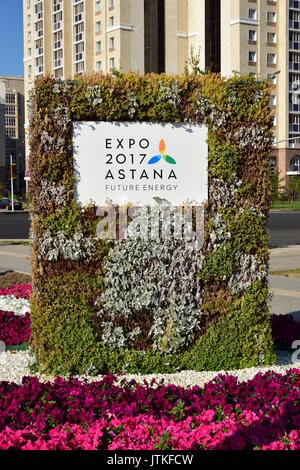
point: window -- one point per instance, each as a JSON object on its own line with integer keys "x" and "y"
{"x": 111, "y": 63}
{"x": 39, "y": 64}
{"x": 57, "y": 56}
{"x": 295, "y": 163}
{"x": 10, "y": 98}
{"x": 273, "y": 100}
{"x": 271, "y": 38}
{"x": 28, "y": 3}
{"x": 78, "y": 51}
{"x": 10, "y": 109}
{"x": 252, "y": 74}
{"x": 78, "y": 32}
{"x": 79, "y": 68}
{"x": 252, "y": 35}
{"x": 252, "y": 56}
{"x": 98, "y": 26}
{"x": 272, "y": 165}
{"x": 39, "y": 47}
{"x": 29, "y": 36}
{"x": 271, "y": 58}
{"x": 98, "y": 46}
{"x": 271, "y": 17}
{"x": 29, "y": 52}
{"x": 252, "y": 14}
{"x": 29, "y": 71}
{"x": 110, "y": 3}
{"x": 10, "y": 121}
{"x": 28, "y": 19}
{"x": 98, "y": 5}
{"x": 57, "y": 39}
{"x": 111, "y": 21}
{"x": 111, "y": 42}
{"x": 10, "y": 132}
{"x": 98, "y": 66}
{"x": 59, "y": 73}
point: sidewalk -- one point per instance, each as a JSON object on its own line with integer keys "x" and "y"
{"x": 14, "y": 258}
{"x": 286, "y": 295}
{"x": 285, "y": 258}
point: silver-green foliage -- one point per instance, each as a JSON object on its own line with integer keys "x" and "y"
{"x": 156, "y": 277}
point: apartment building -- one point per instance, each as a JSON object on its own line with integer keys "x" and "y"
{"x": 12, "y": 133}
{"x": 259, "y": 37}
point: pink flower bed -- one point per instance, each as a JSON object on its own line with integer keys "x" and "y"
{"x": 19, "y": 291}
{"x": 263, "y": 413}
{"x": 14, "y": 330}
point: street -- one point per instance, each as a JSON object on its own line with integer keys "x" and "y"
{"x": 14, "y": 226}
{"x": 284, "y": 227}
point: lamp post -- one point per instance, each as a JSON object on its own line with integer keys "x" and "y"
{"x": 12, "y": 185}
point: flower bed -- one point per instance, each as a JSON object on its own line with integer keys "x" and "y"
{"x": 18, "y": 290}
{"x": 15, "y": 314}
{"x": 14, "y": 329}
{"x": 263, "y": 413}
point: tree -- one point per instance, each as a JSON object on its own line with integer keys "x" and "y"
{"x": 292, "y": 188}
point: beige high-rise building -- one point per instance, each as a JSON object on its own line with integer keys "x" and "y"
{"x": 262, "y": 37}
{"x": 12, "y": 133}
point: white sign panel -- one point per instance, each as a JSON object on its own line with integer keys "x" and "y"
{"x": 138, "y": 161}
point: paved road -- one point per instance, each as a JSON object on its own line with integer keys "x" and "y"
{"x": 14, "y": 226}
{"x": 284, "y": 227}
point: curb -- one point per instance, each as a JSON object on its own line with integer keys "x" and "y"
{"x": 2, "y": 212}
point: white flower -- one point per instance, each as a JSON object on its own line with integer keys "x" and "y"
{"x": 9, "y": 303}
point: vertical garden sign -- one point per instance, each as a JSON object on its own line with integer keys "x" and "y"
{"x": 136, "y": 301}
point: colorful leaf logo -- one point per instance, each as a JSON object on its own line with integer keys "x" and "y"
{"x": 162, "y": 150}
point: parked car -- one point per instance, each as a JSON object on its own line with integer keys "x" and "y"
{"x": 17, "y": 205}
{"x": 4, "y": 203}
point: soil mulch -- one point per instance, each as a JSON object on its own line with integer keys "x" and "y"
{"x": 9, "y": 278}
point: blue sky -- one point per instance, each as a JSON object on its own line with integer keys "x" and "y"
{"x": 11, "y": 38}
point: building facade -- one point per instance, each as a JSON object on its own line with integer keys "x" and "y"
{"x": 12, "y": 133}
{"x": 260, "y": 37}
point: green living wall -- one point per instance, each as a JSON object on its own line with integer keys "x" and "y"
{"x": 77, "y": 327}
